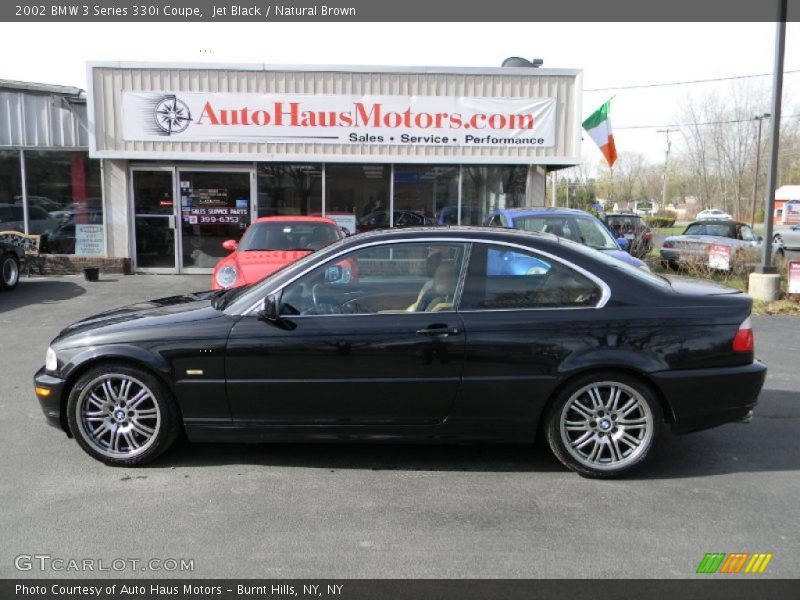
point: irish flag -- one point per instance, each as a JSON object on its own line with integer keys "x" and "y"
{"x": 598, "y": 126}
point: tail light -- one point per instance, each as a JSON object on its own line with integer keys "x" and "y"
{"x": 743, "y": 342}
{"x": 668, "y": 245}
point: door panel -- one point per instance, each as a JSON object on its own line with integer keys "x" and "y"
{"x": 345, "y": 369}
{"x": 375, "y": 342}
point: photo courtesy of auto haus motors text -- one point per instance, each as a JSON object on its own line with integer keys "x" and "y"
{"x": 121, "y": 591}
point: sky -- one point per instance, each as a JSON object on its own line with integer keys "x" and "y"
{"x": 626, "y": 54}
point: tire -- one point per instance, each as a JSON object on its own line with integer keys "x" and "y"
{"x": 586, "y": 434}
{"x": 9, "y": 271}
{"x": 122, "y": 415}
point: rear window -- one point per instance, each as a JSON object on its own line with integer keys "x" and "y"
{"x": 717, "y": 229}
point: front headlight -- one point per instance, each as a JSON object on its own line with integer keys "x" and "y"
{"x": 50, "y": 360}
{"x": 226, "y": 276}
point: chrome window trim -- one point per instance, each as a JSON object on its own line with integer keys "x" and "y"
{"x": 604, "y": 297}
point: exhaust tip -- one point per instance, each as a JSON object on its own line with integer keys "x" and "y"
{"x": 746, "y": 419}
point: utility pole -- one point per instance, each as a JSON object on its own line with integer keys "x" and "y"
{"x": 666, "y": 166}
{"x": 766, "y": 266}
{"x": 758, "y": 118}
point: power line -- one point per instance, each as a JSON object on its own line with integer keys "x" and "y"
{"x": 690, "y": 82}
{"x": 662, "y": 125}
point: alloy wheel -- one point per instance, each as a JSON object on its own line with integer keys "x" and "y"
{"x": 606, "y": 425}
{"x": 118, "y": 415}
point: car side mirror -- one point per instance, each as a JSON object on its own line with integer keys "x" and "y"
{"x": 623, "y": 243}
{"x": 230, "y": 245}
{"x": 270, "y": 309}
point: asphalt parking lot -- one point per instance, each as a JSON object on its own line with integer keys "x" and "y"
{"x": 385, "y": 511}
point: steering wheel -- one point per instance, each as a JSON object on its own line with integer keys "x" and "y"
{"x": 315, "y": 294}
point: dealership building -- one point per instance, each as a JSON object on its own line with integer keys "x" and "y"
{"x": 155, "y": 165}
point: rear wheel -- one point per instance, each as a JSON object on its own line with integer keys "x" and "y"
{"x": 121, "y": 415}
{"x": 603, "y": 424}
{"x": 9, "y": 271}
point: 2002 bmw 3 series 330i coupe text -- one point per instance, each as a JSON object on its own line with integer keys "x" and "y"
{"x": 416, "y": 335}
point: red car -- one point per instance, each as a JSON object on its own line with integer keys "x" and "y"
{"x": 269, "y": 244}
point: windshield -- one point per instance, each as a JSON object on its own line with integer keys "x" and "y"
{"x": 288, "y": 235}
{"x": 584, "y": 230}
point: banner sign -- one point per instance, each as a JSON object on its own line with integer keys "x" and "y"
{"x": 719, "y": 257}
{"x": 89, "y": 240}
{"x": 339, "y": 119}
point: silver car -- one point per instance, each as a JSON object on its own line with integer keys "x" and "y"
{"x": 693, "y": 245}
{"x": 788, "y": 237}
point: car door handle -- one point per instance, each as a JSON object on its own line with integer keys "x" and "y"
{"x": 439, "y": 331}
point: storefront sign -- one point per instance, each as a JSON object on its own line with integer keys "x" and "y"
{"x": 794, "y": 278}
{"x": 346, "y": 221}
{"x": 89, "y": 240}
{"x": 719, "y": 257}
{"x": 339, "y": 119}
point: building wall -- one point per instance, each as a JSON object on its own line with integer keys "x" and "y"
{"x": 117, "y": 218}
{"x": 42, "y": 120}
{"x": 108, "y": 81}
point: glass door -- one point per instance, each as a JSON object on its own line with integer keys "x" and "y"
{"x": 154, "y": 220}
{"x": 215, "y": 206}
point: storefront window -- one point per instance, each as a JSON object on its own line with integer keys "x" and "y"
{"x": 11, "y": 216}
{"x": 425, "y": 195}
{"x": 215, "y": 207}
{"x": 358, "y": 195}
{"x": 486, "y": 189}
{"x": 65, "y": 202}
{"x": 289, "y": 189}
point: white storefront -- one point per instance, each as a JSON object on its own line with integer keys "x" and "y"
{"x": 191, "y": 154}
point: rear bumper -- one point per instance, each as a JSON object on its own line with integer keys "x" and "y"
{"x": 51, "y": 405}
{"x": 703, "y": 398}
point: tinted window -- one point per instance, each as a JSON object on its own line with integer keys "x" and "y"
{"x": 400, "y": 277}
{"x": 503, "y": 278}
{"x": 583, "y": 230}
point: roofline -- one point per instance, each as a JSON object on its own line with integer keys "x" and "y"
{"x": 517, "y": 71}
{"x": 46, "y": 88}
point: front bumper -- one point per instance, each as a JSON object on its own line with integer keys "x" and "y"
{"x": 51, "y": 404}
{"x": 703, "y": 398}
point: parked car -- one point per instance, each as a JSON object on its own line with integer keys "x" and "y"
{"x": 633, "y": 229}
{"x": 713, "y": 214}
{"x": 788, "y": 237}
{"x": 269, "y": 244}
{"x": 470, "y": 215}
{"x": 576, "y": 225}
{"x": 379, "y": 219}
{"x": 39, "y": 221}
{"x": 595, "y": 355}
{"x": 692, "y": 246}
{"x": 10, "y": 259}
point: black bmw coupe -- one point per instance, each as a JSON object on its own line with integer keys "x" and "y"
{"x": 434, "y": 334}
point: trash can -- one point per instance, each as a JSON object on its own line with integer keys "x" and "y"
{"x": 91, "y": 273}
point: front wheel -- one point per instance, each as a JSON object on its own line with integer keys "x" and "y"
{"x": 9, "y": 271}
{"x": 604, "y": 424}
{"x": 121, "y": 415}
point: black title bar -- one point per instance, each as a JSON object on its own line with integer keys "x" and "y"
{"x": 541, "y": 11}
{"x": 710, "y": 587}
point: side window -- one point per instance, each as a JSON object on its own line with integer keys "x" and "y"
{"x": 747, "y": 234}
{"x": 391, "y": 278}
{"x": 503, "y": 278}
